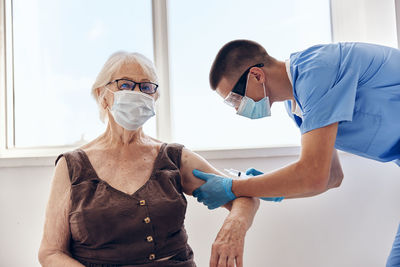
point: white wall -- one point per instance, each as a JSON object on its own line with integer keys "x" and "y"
{"x": 371, "y": 21}
{"x": 23, "y": 198}
{"x": 350, "y": 226}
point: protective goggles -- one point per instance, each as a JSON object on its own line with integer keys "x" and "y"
{"x": 239, "y": 90}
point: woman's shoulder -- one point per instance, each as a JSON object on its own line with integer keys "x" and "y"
{"x": 90, "y": 145}
{"x": 64, "y": 156}
{"x": 160, "y": 143}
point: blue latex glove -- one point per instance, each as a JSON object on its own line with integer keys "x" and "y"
{"x": 254, "y": 172}
{"x": 216, "y": 192}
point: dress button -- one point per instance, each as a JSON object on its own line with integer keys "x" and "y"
{"x": 147, "y": 219}
{"x": 149, "y": 238}
{"x": 152, "y": 256}
{"x": 142, "y": 202}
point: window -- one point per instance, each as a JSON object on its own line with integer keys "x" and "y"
{"x": 58, "y": 49}
{"x": 201, "y": 119}
{"x": 54, "y": 50}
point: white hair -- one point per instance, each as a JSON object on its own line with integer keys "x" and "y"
{"x": 112, "y": 65}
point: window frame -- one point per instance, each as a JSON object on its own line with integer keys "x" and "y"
{"x": 3, "y": 122}
{"x": 7, "y": 133}
{"x": 164, "y": 116}
{"x": 397, "y": 6}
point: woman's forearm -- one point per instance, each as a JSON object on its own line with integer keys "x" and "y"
{"x": 244, "y": 209}
{"x": 229, "y": 242}
{"x": 58, "y": 259}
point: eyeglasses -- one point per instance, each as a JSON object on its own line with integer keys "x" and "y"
{"x": 239, "y": 90}
{"x": 144, "y": 87}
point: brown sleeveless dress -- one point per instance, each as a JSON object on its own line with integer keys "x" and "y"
{"x": 111, "y": 228}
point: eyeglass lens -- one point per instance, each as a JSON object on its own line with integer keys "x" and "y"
{"x": 145, "y": 87}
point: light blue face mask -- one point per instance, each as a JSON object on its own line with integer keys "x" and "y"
{"x": 254, "y": 110}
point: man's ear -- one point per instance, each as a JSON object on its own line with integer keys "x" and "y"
{"x": 258, "y": 74}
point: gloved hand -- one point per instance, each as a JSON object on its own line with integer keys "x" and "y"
{"x": 254, "y": 172}
{"x": 216, "y": 192}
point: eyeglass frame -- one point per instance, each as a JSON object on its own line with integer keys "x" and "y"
{"x": 134, "y": 85}
{"x": 239, "y": 89}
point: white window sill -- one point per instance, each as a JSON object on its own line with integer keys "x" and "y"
{"x": 37, "y": 157}
{"x": 242, "y": 153}
{"x": 40, "y": 157}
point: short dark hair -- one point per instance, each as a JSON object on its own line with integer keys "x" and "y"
{"x": 234, "y": 58}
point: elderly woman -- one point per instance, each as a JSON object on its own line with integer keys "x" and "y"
{"x": 118, "y": 200}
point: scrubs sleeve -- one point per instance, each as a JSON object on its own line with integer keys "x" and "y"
{"x": 288, "y": 106}
{"x": 326, "y": 96}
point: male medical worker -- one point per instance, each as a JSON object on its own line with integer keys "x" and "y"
{"x": 342, "y": 96}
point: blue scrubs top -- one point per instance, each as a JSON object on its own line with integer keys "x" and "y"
{"x": 356, "y": 85}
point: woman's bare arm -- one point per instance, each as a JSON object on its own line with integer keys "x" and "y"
{"x": 229, "y": 243}
{"x": 56, "y": 235}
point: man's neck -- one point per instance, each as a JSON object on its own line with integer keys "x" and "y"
{"x": 278, "y": 83}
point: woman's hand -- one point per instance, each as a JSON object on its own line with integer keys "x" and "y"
{"x": 227, "y": 248}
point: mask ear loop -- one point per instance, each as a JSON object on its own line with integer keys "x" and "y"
{"x": 247, "y": 81}
{"x": 109, "y": 89}
{"x": 265, "y": 94}
{"x": 108, "y": 108}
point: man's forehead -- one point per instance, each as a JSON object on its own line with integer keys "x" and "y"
{"x": 224, "y": 87}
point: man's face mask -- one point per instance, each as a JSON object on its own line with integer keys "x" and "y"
{"x": 246, "y": 106}
{"x": 254, "y": 110}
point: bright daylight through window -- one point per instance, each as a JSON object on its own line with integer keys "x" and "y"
{"x": 59, "y": 47}
{"x": 201, "y": 119}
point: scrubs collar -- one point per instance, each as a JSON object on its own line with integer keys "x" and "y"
{"x": 287, "y": 64}
{"x": 295, "y": 108}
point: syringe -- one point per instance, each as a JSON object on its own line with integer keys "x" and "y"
{"x": 236, "y": 173}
